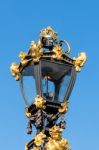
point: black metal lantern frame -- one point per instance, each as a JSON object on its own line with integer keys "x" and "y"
{"x": 52, "y": 73}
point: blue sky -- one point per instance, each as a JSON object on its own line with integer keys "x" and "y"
{"x": 78, "y": 22}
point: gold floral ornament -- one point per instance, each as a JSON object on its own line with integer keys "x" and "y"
{"x": 52, "y": 145}
{"x": 55, "y": 132}
{"x": 80, "y": 61}
{"x": 24, "y": 60}
{"x": 57, "y": 53}
{"x": 57, "y": 145}
{"x": 63, "y": 144}
{"x": 15, "y": 71}
{"x": 35, "y": 51}
{"x": 48, "y": 32}
{"x": 63, "y": 108}
{"x": 40, "y": 102}
{"x": 39, "y": 139}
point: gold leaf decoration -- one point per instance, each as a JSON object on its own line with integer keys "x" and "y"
{"x": 36, "y": 51}
{"x": 57, "y": 145}
{"x": 55, "y": 132}
{"x": 57, "y": 52}
{"x": 39, "y": 139}
{"x": 63, "y": 144}
{"x": 15, "y": 71}
{"x": 48, "y": 32}
{"x": 24, "y": 60}
{"x": 28, "y": 114}
{"x": 51, "y": 145}
{"x": 63, "y": 108}
{"x": 80, "y": 61}
{"x": 40, "y": 102}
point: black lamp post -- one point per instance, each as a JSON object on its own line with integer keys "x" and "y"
{"x": 47, "y": 76}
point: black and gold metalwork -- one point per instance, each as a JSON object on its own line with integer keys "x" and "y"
{"x": 54, "y": 73}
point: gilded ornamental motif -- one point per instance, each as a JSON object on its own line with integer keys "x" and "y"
{"x": 39, "y": 139}
{"x": 15, "y": 71}
{"x": 36, "y": 52}
{"x": 40, "y": 102}
{"x": 63, "y": 108}
{"x": 43, "y": 114}
{"x": 80, "y": 61}
{"x": 55, "y": 132}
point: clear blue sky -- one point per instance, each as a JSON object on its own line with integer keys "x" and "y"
{"x": 74, "y": 20}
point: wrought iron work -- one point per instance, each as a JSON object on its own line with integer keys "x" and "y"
{"x": 53, "y": 73}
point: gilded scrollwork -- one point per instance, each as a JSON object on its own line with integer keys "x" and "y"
{"x": 57, "y": 145}
{"x": 48, "y": 32}
{"x": 52, "y": 145}
{"x": 39, "y": 139}
{"x": 63, "y": 108}
{"x": 40, "y": 102}
{"x": 57, "y": 53}
{"x": 55, "y": 132}
{"x": 15, "y": 71}
{"x": 80, "y": 61}
{"x": 35, "y": 51}
{"x": 23, "y": 59}
{"x": 63, "y": 145}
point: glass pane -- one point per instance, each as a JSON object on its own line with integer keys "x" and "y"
{"x": 55, "y": 79}
{"x": 61, "y": 88}
{"x": 28, "y": 89}
{"x": 30, "y": 83}
{"x": 48, "y": 89}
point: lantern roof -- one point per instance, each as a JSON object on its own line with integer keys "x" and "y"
{"x": 48, "y": 49}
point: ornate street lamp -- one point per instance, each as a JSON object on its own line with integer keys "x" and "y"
{"x": 47, "y": 75}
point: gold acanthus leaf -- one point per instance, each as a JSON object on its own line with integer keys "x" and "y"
{"x": 57, "y": 145}
{"x": 36, "y": 51}
{"x": 63, "y": 108}
{"x": 51, "y": 145}
{"x": 24, "y": 61}
{"x": 55, "y": 132}
{"x": 39, "y": 139}
{"x": 48, "y": 32}
{"x": 80, "y": 61}
{"x": 57, "y": 53}
{"x": 15, "y": 71}
{"x": 63, "y": 144}
{"x": 40, "y": 102}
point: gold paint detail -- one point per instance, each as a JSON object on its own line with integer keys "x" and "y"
{"x": 48, "y": 32}
{"x": 63, "y": 144}
{"x": 63, "y": 108}
{"x": 36, "y": 148}
{"x": 57, "y": 53}
{"x": 40, "y": 102}
{"x": 39, "y": 139}
{"x": 28, "y": 114}
{"x": 80, "y": 61}
{"x": 26, "y": 147}
{"x": 57, "y": 145}
{"x": 35, "y": 51}
{"x": 52, "y": 145}
{"x": 15, "y": 71}
{"x": 55, "y": 132}
{"x": 24, "y": 61}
